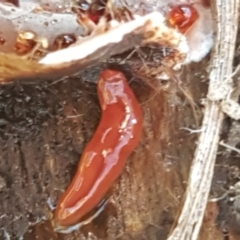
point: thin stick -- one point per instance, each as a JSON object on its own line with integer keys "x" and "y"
{"x": 229, "y": 147}
{"x": 200, "y": 177}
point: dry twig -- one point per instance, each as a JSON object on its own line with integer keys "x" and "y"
{"x": 96, "y": 48}
{"x": 200, "y": 178}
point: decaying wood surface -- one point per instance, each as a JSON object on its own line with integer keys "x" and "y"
{"x": 45, "y": 127}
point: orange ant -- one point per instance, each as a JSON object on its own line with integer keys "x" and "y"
{"x": 28, "y": 43}
{"x": 98, "y": 13}
{"x": 183, "y": 16}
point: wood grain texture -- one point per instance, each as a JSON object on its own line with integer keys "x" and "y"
{"x": 44, "y": 129}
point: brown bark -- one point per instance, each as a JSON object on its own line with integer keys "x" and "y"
{"x": 44, "y": 129}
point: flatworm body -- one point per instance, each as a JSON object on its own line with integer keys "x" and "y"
{"x": 104, "y": 157}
